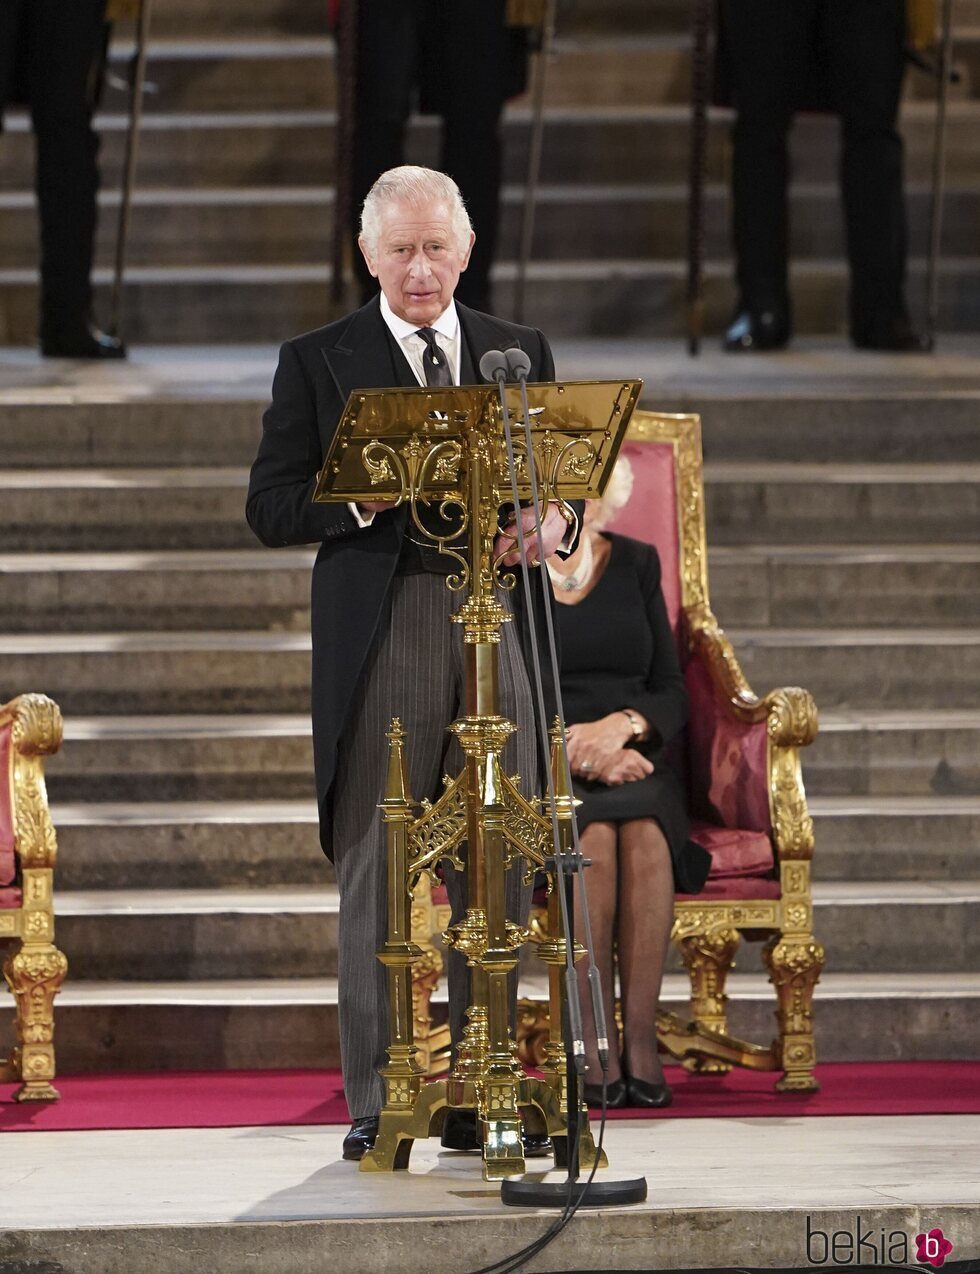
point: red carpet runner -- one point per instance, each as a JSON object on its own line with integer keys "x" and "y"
{"x": 225, "y": 1099}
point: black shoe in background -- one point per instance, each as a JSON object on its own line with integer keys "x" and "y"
{"x": 758, "y": 329}
{"x": 79, "y": 340}
{"x": 894, "y": 335}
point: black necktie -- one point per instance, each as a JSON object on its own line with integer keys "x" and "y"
{"x": 435, "y": 364}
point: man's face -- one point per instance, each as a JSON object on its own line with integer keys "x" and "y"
{"x": 418, "y": 260}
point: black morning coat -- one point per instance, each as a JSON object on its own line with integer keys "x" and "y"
{"x": 354, "y": 568}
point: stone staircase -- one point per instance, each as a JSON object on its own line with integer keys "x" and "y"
{"x": 234, "y": 207}
{"x": 197, "y": 912}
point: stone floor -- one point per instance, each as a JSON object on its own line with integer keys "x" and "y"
{"x": 721, "y": 1192}
{"x": 813, "y": 364}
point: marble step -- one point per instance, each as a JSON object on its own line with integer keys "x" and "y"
{"x": 184, "y": 758}
{"x": 895, "y": 753}
{"x": 849, "y": 504}
{"x": 203, "y": 934}
{"x": 71, "y": 510}
{"x": 199, "y": 934}
{"x": 148, "y": 672}
{"x": 596, "y": 145}
{"x": 290, "y": 72}
{"x": 241, "y": 758}
{"x": 895, "y": 837}
{"x": 253, "y": 843}
{"x": 574, "y": 299}
{"x": 866, "y": 667}
{"x": 176, "y": 406}
{"x": 293, "y": 225}
{"x": 102, "y": 1027}
{"x": 105, "y": 509}
{"x": 248, "y": 671}
{"x": 760, "y": 585}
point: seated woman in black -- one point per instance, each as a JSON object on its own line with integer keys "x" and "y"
{"x": 624, "y": 699}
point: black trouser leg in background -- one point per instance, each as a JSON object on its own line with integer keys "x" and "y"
{"x": 865, "y": 47}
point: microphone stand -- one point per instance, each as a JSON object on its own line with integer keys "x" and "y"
{"x": 570, "y": 1193}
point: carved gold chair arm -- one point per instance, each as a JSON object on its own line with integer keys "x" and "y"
{"x": 37, "y": 727}
{"x": 790, "y": 712}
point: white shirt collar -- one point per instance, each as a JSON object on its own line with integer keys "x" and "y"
{"x": 447, "y": 324}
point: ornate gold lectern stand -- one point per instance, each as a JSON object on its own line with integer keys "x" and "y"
{"x": 443, "y": 452}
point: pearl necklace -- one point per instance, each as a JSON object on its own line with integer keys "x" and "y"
{"x": 581, "y": 575}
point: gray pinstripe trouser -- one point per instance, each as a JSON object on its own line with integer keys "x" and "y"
{"x": 415, "y": 671}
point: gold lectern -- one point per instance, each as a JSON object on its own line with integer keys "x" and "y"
{"x": 444, "y": 450}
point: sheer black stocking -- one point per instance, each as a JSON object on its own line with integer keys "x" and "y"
{"x": 646, "y": 911}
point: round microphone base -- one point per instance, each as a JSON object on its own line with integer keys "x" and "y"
{"x": 520, "y": 1193}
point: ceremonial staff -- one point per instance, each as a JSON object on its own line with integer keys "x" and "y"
{"x": 343, "y": 20}
{"x": 532, "y": 13}
{"x": 140, "y": 9}
{"x": 695, "y": 206}
{"x": 944, "y": 76}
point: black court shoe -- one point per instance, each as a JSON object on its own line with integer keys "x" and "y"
{"x": 361, "y": 1138}
{"x": 615, "y": 1095}
{"x": 648, "y": 1096}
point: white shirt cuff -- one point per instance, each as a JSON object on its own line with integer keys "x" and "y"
{"x": 361, "y": 518}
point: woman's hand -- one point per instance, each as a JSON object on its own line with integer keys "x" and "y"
{"x": 592, "y": 745}
{"x": 628, "y": 766}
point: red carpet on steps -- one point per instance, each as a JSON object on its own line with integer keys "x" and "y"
{"x": 225, "y": 1099}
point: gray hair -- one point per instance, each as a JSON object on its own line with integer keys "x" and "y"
{"x": 418, "y": 187}
{"x": 616, "y": 495}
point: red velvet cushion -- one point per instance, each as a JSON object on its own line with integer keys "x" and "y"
{"x": 10, "y": 898}
{"x": 734, "y": 852}
{"x": 743, "y": 887}
{"x": 8, "y": 866}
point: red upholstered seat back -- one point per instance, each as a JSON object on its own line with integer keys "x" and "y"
{"x": 651, "y": 516}
{"x": 721, "y": 761}
{"x": 8, "y": 865}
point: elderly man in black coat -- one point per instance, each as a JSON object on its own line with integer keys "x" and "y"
{"x": 382, "y": 641}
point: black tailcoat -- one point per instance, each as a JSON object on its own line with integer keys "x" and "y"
{"x": 354, "y": 568}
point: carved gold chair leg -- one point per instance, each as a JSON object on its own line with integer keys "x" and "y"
{"x": 708, "y": 958}
{"x": 35, "y": 974}
{"x": 794, "y": 966}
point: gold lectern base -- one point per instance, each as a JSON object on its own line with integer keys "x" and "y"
{"x": 502, "y": 1147}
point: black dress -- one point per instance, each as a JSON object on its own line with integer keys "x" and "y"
{"x": 617, "y": 651}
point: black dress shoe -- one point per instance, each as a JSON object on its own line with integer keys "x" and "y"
{"x": 648, "y": 1096}
{"x": 615, "y": 1095}
{"x": 895, "y": 336}
{"x": 761, "y": 329}
{"x": 79, "y": 340}
{"x": 361, "y": 1138}
{"x": 459, "y": 1133}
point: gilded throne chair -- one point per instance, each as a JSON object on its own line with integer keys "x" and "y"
{"x": 30, "y": 728}
{"x": 739, "y": 760}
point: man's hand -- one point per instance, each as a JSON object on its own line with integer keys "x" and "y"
{"x": 553, "y": 531}
{"x": 375, "y": 506}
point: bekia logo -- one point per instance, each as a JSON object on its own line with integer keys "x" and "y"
{"x": 864, "y": 1246}
{"x": 932, "y": 1248}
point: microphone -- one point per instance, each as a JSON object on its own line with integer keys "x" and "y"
{"x": 493, "y": 366}
{"x": 518, "y": 364}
